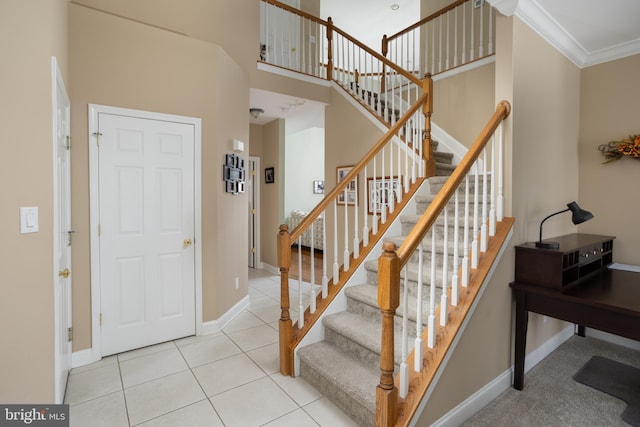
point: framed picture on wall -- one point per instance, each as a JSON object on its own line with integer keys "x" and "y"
{"x": 349, "y": 196}
{"x": 318, "y": 187}
{"x": 269, "y": 176}
{"x": 380, "y": 191}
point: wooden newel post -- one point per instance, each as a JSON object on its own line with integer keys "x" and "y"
{"x": 427, "y": 143}
{"x": 329, "y": 49}
{"x": 385, "y": 45}
{"x": 285, "y": 327}
{"x": 388, "y": 301}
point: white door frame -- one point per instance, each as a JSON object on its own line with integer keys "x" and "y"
{"x": 94, "y": 111}
{"x": 60, "y": 126}
{"x": 256, "y": 206}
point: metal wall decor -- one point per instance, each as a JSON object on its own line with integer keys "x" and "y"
{"x": 234, "y": 176}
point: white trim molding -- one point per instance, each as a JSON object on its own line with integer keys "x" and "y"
{"x": 220, "y": 323}
{"x": 532, "y": 14}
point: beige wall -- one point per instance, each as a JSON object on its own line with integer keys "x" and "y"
{"x": 31, "y": 32}
{"x": 272, "y": 195}
{"x": 463, "y": 103}
{"x": 119, "y": 62}
{"x": 610, "y": 111}
{"x": 543, "y": 154}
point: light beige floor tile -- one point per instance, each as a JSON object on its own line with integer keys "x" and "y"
{"x": 154, "y": 398}
{"x": 200, "y": 414}
{"x": 299, "y": 390}
{"x": 207, "y": 351}
{"x": 225, "y": 374}
{"x": 253, "y": 404}
{"x": 297, "y": 418}
{"x": 105, "y": 411}
{"x": 152, "y": 366}
{"x": 145, "y": 351}
{"x": 109, "y": 360}
{"x": 326, "y": 413}
{"x": 267, "y": 358}
{"x": 258, "y": 300}
{"x": 255, "y": 337}
{"x": 267, "y": 313}
{"x": 93, "y": 383}
{"x": 195, "y": 338}
{"x": 242, "y": 321}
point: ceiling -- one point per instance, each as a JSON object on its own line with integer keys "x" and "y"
{"x": 588, "y": 32}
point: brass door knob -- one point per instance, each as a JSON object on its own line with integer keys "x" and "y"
{"x": 64, "y": 273}
{"x": 187, "y": 243}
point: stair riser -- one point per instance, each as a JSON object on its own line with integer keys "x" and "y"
{"x": 366, "y": 356}
{"x": 413, "y": 283}
{"x": 435, "y": 187}
{"x": 364, "y": 309}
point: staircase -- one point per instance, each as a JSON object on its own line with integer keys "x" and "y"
{"x": 345, "y": 366}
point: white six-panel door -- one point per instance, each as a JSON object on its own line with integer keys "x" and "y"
{"x": 146, "y": 231}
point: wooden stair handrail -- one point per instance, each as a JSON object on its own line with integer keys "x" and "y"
{"x": 340, "y": 186}
{"x": 434, "y": 209}
{"x": 296, "y": 11}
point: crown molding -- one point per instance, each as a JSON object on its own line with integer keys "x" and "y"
{"x": 530, "y": 12}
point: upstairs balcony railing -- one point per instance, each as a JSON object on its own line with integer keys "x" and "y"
{"x": 458, "y": 34}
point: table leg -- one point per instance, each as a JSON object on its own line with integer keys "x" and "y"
{"x": 522, "y": 320}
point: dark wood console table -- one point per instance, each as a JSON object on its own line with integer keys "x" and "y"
{"x": 572, "y": 283}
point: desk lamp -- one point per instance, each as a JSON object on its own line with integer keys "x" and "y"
{"x": 578, "y": 217}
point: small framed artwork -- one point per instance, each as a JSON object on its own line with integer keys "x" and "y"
{"x": 349, "y": 195}
{"x": 380, "y": 192}
{"x": 318, "y": 187}
{"x": 269, "y": 176}
{"x": 233, "y": 173}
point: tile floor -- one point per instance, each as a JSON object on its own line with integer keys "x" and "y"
{"x": 229, "y": 378}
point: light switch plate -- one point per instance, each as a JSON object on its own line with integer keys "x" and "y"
{"x": 28, "y": 220}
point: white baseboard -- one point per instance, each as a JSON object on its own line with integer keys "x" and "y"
{"x": 614, "y": 339}
{"x": 501, "y": 383}
{"x": 219, "y": 324}
{"x": 270, "y": 268}
{"x": 85, "y": 357}
{"x": 82, "y": 357}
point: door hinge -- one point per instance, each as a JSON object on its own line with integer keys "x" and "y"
{"x": 253, "y": 250}
{"x": 99, "y": 230}
{"x": 69, "y": 334}
{"x": 253, "y": 211}
{"x": 253, "y": 172}
{"x": 68, "y": 142}
{"x": 100, "y": 319}
{"x": 97, "y": 135}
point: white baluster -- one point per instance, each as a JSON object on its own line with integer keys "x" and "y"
{"x": 456, "y": 253}
{"x": 490, "y": 44}
{"x": 390, "y": 195}
{"x": 500, "y": 213}
{"x": 464, "y": 33}
{"x": 448, "y": 42}
{"x": 417, "y": 350}
{"x": 481, "y": 42}
{"x": 440, "y": 53}
{"x": 374, "y": 220}
{"x": 325, "y": 279}
{"x": 346, "y": 232}
{"x": 312, "y": 279}
{"x": 356, "y": 239}
{"x": 444, "y": 299}
{"x": 455, "y": 39}
{"x": 492, "y": 211}
{"x": 383, "y": 207}
{"x": 431, "y": 335}
{"x": 336, "y": 266}
{"x": 365, "y": 216}
{"x": 483, "y": 228}
{"x": 404, "y": 367}
{"x": 300, "y": 306}
{"x": 475, "y": 243}
{"x": 465, "y": 251}
{"x": 472, "y": 43}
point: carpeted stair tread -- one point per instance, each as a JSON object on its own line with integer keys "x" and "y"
{"x": 412, "y": 269}
{"x": 360, "y": 329}
{"x": 345, "y": 381}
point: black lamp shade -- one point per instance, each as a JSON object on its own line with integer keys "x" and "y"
{"x": 578, "y": 217}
